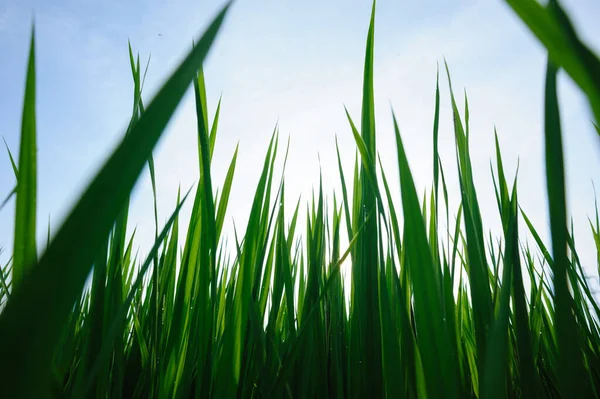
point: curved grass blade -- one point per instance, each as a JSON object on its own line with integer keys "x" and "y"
{"x": 555, "y": 30}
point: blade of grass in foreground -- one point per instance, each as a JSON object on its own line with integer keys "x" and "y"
{"x": 496, "y": 360}
{"x": 554, "y": 29}
{"x": 25, "y": 254}
{"x": 31, "y": 323}
{"x": 571, "y": 367}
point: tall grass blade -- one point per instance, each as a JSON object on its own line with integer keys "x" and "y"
{"x": 25, "y": 250}
{"x": 571, "y": 366}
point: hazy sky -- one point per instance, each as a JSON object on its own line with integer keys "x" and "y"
{"x": 297, "y": 63}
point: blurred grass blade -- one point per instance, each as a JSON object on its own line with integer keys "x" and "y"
{"x": 8, "y": 197}
{"x": 571, "y": 367}
{"x": 554, "y": 29}
{"x": 61, "y": 272}
{"x": 25, "y": 250}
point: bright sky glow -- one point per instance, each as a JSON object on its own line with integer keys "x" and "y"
{"x": 297, "y": 64}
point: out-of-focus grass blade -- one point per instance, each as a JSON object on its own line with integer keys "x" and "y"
{"x": 234, "y": 337}
{"x": 8, "y": 197}
{"x": 25, "y": 251}
{"x": 344, "y": 194}
{"x": 571, "y": 369}
{"x": 554, "y": 29}
{"x": 394, "y": 385}
{"x": 27, "y": 343}
{"x": 4, "y": 272}
{"x": 436, "y": 123}
{"x": 393, "y": 215}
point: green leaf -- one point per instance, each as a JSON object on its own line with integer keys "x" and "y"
{"x": 12, "y": 160}
{"x": 439, "y": 363}
{"x": 571, "y": 368}
{"x": 495, "y": 369}
{"x": 115, "y": 327}
{"x": 223, "y": 201}
{"x": 25, "y": 250}
{"x": 554, "y": 29}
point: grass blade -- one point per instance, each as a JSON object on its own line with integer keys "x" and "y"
{"x": 571, "y": 366}
{"x": 25, "y": 250}
{"x": 439, "y": 363}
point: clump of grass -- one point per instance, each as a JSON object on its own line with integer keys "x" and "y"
{"x": 431, "y": 313}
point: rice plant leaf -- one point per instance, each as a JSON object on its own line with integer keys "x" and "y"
{"x": 25, "y": 250}
{"x": 224, "y": 199}
{"x": 12, "y": 160}
{"x": 209, "y": 222}
{"x": 345, "y": 200}
{"x": 478, "y": 270}
{"x": 114, "y": 324}
{"x": 61, "y": 272}
{"x": 571, "y": 367}
{"x": 553, "y": 27}
{"x": 496, "y": 360}
{"x": 439, "y": 364}
{"x": 212, "y": 138}
{"x": 8, "y": 197}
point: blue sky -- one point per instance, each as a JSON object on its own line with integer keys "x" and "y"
{"x": 297, "y": 63}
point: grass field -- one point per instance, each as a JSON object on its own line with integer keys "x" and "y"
{"x": 426, "y": 312}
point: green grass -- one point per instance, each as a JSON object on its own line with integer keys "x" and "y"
{"x": 425, "y": 312}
